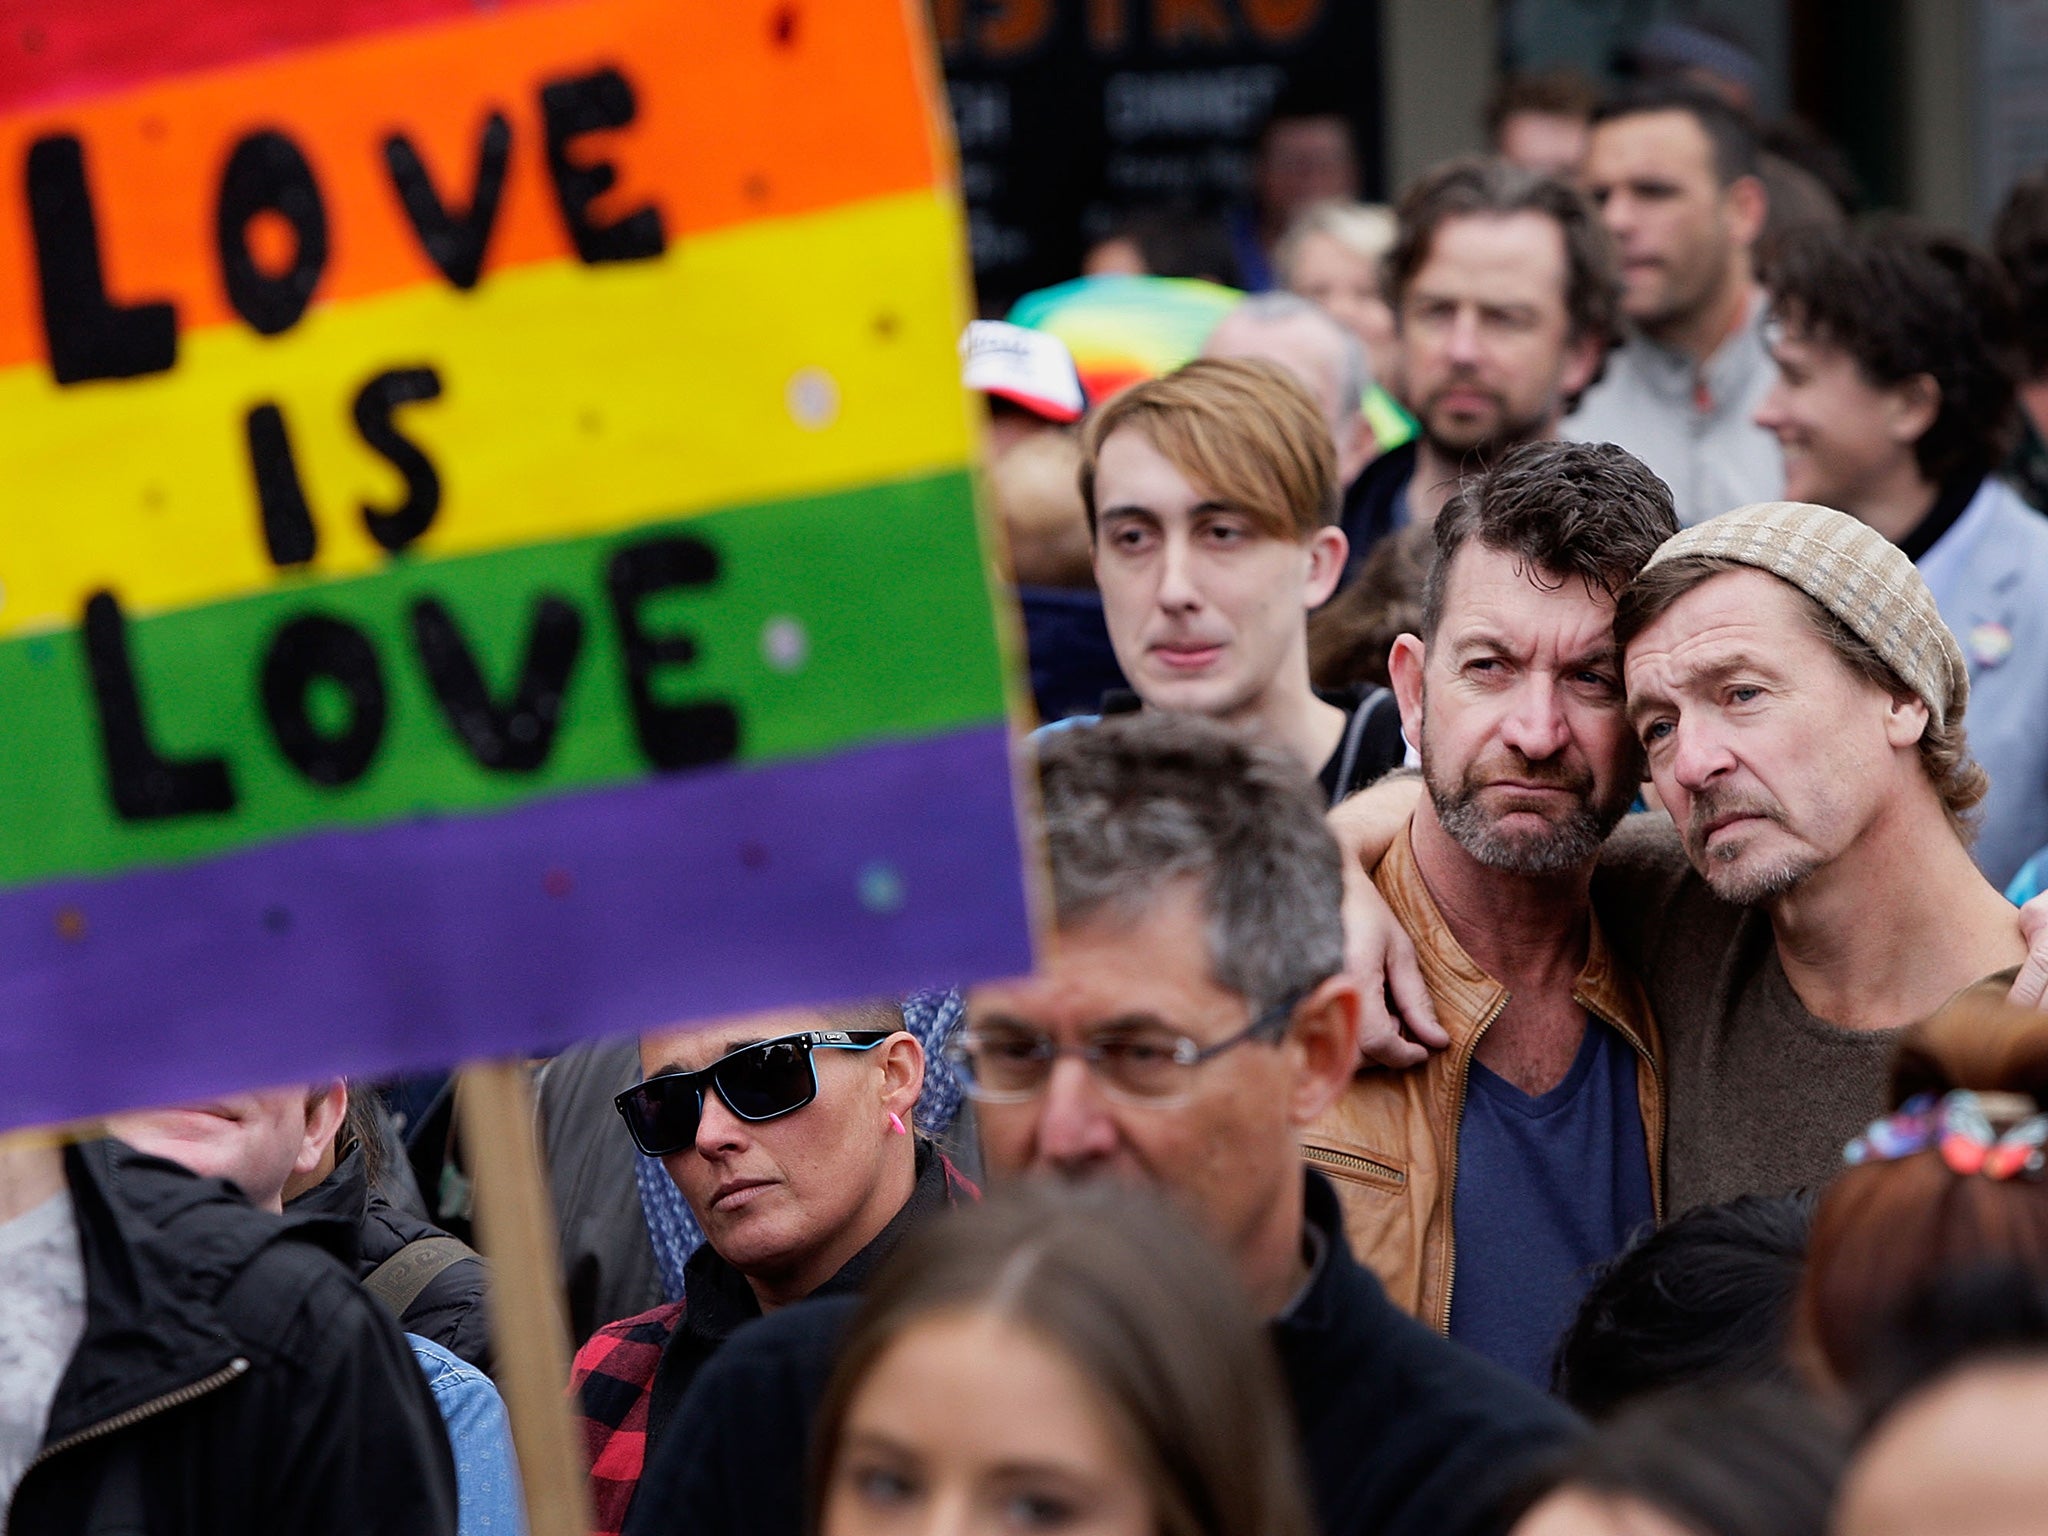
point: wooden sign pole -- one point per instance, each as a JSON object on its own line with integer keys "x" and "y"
{"x": 515, "y": 1228}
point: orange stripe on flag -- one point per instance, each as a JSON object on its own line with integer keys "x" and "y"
{"x": 785, "y": 110}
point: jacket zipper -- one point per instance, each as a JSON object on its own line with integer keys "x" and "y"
{"x": 1443, "y": 1322}
{"x": 1656, "y": 1077}
{"x": 1353, "y": 1163}
{"x": 128, "y": 1417}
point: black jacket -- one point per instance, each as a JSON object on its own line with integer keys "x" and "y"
{"x": 720, "y": 1301}
{"x": 450, "y": 1308}
{"x": 608, "y": 1265}
{"x": 232, "y": 1377}
{"x": 1371, "y": 503}
{"x": 1371, "y": 747}
{"x": 1405, "y": 1433}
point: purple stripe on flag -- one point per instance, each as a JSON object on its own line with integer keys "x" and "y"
{"x": 437, "y": 940}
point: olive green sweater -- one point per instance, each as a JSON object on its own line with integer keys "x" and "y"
{"x": 1762, "y": 1094}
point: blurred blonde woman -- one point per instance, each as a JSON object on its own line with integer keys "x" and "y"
{"x": 1331, "y": 256}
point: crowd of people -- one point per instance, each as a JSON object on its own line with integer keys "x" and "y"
{"x": 1534, "y": 1033}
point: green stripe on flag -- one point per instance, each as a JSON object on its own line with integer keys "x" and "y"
{"x": 832, "y": 621}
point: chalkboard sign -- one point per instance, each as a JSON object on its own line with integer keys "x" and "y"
{"x": 1069, "y": 111}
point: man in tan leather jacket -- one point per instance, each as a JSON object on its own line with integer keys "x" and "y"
{"x": 1483, "y": 1185}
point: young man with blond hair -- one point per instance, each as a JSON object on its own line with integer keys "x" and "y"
{"x": 1212, "y": 498}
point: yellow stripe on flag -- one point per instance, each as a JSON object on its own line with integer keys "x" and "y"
{"x": 746, "y": 365}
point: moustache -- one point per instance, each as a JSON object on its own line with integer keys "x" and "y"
{"x": 1547, "y": 774}
{"x": 1463, "y": 384}
{"x": 1709, "y": 807}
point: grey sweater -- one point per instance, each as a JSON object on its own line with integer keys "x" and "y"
{"x": 1693, "y": 424}
{"x": 1762, "y": 1094}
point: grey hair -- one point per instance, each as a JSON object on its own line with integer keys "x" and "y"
{"x": 1278, "y": 307}
{"x": 1137, "y": 803}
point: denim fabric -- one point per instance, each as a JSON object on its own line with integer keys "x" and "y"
{"x": 486, "y": 1474}
{"x": 2030, "y": 881}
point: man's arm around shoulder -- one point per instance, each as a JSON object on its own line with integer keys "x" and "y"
{"x": 1398, "y": 1027}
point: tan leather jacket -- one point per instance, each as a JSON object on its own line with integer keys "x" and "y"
{"x": 1390, "y": 1144}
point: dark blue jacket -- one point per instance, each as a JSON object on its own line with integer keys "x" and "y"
{"x": 1375, "y": 504}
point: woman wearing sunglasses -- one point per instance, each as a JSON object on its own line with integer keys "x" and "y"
{"x": 791, "y": 1137}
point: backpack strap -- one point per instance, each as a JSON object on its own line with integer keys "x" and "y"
{"x": 1354, "y": 734}
{"x": 398, "y": 1281}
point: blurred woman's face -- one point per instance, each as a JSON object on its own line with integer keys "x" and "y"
{"x": 1330, "y": 273}
{"x": 1578, "y": 1512}
{"x": 968, "y": 1425}
{"x": 1955, "y": 1459}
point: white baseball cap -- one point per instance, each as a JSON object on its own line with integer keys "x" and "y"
{"x": 1030, "y": 368}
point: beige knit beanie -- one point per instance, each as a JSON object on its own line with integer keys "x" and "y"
{"x": 1855, "y": 573}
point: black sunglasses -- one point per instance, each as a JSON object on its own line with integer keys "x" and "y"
{"x": 756, "y": 1082}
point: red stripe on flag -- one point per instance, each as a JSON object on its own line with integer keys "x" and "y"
{"x": 82, "y": 48}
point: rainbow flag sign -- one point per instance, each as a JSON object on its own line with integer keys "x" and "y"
{"x": 1123, "y": 327}
{"x": 487, "y": 551}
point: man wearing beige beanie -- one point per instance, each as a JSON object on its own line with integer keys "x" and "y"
{"x": 1801, "y": 704}
{"x": 1801, "y": 708}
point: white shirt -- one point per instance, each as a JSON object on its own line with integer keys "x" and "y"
{"x": 42, "y": 1316}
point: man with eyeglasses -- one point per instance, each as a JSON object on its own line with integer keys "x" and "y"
{"x": 1189, "y": 1020}
{"x": 789, "y": 1135}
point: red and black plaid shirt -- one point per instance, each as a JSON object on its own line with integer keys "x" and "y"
{"x": 612, "y": 1383}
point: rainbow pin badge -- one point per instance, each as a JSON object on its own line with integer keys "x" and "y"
{"x": 1989, "y": 644}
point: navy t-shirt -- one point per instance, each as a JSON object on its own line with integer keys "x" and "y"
{"x": 1548, "y": 1188}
